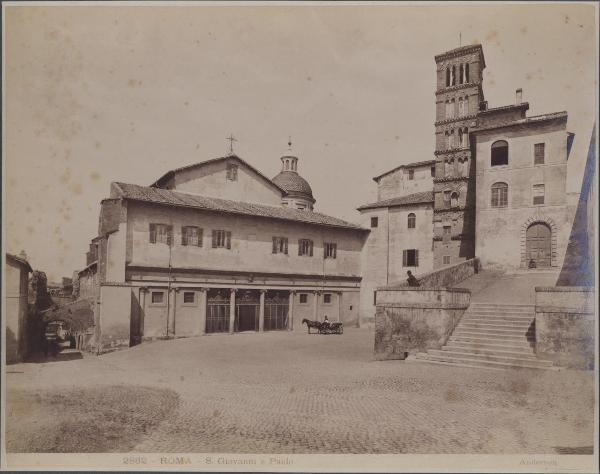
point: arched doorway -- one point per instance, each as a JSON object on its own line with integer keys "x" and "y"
{"x": 538, "y": 245}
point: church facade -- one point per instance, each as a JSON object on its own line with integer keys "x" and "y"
{"x": 217, "y": 247}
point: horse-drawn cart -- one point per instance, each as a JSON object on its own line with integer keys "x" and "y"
{"x": 323, "y": 327}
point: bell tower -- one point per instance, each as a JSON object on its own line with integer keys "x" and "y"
{"x": 459, "y": 98}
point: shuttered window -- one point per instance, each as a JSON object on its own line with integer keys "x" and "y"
{"x": 191, "y": 236}
{"x": 221, "y": 239}
{"x": 280, "y": 245}
{"x": 410, "y": 258}
{"x": 538, "y": 193}
{"x": 499, "y": 195}
{"x": 330, "y": 250}
{"x": 305, "y": 247}
{"x": 161, "y": 234}
{"x": 539, "y": 151}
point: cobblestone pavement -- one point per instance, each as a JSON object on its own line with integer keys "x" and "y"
{"x": 299, "y": 393}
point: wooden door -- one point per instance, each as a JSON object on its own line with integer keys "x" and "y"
{"x": 538, "y": 246}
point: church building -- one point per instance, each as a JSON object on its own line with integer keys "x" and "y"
{"x": 219, "y": 247}
{"x": 497, "y": 188}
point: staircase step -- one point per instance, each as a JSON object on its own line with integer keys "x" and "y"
{"x": 503, "y": 306}
{"x": 508, "y": 314}
{"x": 482, "y": 361}
{"x": 495, "y": 351}
{"x": 490, "y": 325}
{"x": 495, "y": 319}
{"x": 488, "y": 332}
{"x": 503, "y": 340}
{"x": 491, "y": 345}
{"x": 490, "y": 357}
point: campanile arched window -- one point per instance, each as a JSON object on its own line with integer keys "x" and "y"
{"x": 412, "y": 221}
{"x": 454, "y": 199}
{"x": 447, "y": 76}
{"x": 467, "y": 72}
{"x": 499, "y": 153}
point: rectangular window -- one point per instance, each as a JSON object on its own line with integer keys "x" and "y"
{"x": 191, "y": 235}
{"x": 158, "y": 297}
{"x": 374, "y": 222}
{"x": 161, "y": 234}
{"x": 327, "y": 298}
{"x": 433, "y": 171}
{"x": 232, "y": 172}
{"x": 221, "y": 239}
{"x": 410, "y": 258}
{"x": 538, "y": 194}
{"x": 189, "y": 297}
{"x": 330, "y": 250}
{"x": 303, "y": 298}
{"x": 280, "y": 245}
{"x": 539, "y": 150}
{"x": 446, "y": 259}
{"x": 411, "y": 174}
{"x": 305, "y": 247}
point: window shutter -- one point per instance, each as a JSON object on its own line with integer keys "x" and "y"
{"x": 310, "y": 246}
{"x": 404, "y": 253}
{"x": 200, "y": 236}
{"x": 184, "y": 235}
{"x": 152, "y": 233}
{"x": 274, "y": 244}
{"x": 285, "y": 244}
{"x": 228, "y": 237}
{"x": 214, "y": 239}
{"x": 169, "y": 235}
{"x": 416, "y": 258}
{"x": 300, "y": 247}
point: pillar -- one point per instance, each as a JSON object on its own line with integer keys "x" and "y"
{"x": 261, "y": 315}
{"x": 231, "y": 310}
{"x": 202, "y": 317}
{"x": 339, "y": 305}
{"x": 174, "y": 312}
{"x": 143, "y": 292}
{"x": 291, "y": 311}
{"x": 315, "y": 305}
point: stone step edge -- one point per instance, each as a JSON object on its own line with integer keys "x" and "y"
{"x": 485, "y": 340}
{"x": 482, "y": 357}
{"x": 425, "y": 359}
{"x": 503, "y": 365}
{"x": 489, "y": 351}
{"x": 492, "y": 345}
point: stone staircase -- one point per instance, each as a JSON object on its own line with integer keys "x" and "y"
{"x": 491, "y": 335}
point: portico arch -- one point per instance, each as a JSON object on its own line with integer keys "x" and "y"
{"x": 553, "y": 239}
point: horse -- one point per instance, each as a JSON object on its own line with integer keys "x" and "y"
{"x": 311, "y": 324}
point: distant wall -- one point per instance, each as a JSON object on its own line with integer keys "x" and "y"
{"x": 114, "y": 317}
{"x": 415, "y": 319}
{"x": 564, "y": 326}
{"x": 448, "y": 276}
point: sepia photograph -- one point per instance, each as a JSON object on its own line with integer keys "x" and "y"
{"x": 299, "y": 236}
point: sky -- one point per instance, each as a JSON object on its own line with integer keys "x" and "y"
{"x": 95, "y": 94}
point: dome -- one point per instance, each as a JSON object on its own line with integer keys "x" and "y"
{"x": 292, "y": 183}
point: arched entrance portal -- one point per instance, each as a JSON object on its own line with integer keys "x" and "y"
{"x": 538, "y": 246}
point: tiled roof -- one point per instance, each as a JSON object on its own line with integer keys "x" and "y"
{"x": 525, "y": 121}
{"x": 502, "y": 108}
{"x": 415, "y": 164}
{"x": 20, "y": 261}
{"x": 177, "y": 199}
{"x": 159, "y": 182}
{"x": 416, "y": 198}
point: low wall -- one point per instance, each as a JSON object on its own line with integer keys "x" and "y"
{"x": 416, "y": 319}
{"x": 448, "y": 276}
{"x": 564, "y": 326}
{"x": 114, "y": 317}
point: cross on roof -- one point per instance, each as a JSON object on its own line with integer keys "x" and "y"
{"x": 231, "y": 139}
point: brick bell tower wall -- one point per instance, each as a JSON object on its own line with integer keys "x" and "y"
{"x": 459, "y": 97}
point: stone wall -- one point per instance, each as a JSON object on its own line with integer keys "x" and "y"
{"x": 410, "y": 320}
{"x": 564, "y": 326}
{"x": 448, "y": 276}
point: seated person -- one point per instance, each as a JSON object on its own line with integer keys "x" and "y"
{"x": 326, "y": 323}
{"x": 412, "y": 281}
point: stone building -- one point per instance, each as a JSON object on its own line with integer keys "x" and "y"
{"x": 219, "y": 247}
{"x": 16, "y": 303}
{"x": 495, "y": 190}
